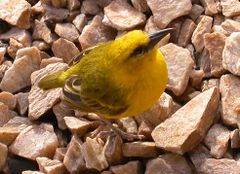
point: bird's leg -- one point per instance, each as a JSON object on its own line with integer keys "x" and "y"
{"x": 124, "y": 135}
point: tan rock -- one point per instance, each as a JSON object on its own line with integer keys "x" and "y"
{"x": 139, "y": 149}
{"x": 60, "y": 153}
{"x": 13, "y": 47}
{"x": 217, "y": 140}
{"x": 41, "y": 45}
{"x": 5, "y": 114}
{"x": 51, "y": 13}
{"x": 211, "y": 6}
{"x": 31, "y": 172}
{"x": 230, "y": 8}
{"x": 164, "y": 11}
{"x": 41, "y": 101}
{"x": 214, "y": 43}
{"x": 209, "y": 84}
{"x": 103, "y": 3}
{"x": 151, "y": 26}
{"x": 67, "y": 31}
{"x": 132, "y": 167}
{"x": 60, "y": 46}
{"x": 186, "y": 128}
{"x": 129, "y": 125}
{"x": 204, "y": 26}
{"x": 22, "y": 102}
{"x": 94, "y": 155}
{"x": 73, "y": 159}
{"x": 80, "y": 21}
{"x": 177, "y": 80}
{"x": 219, "y": 29}
{"x": 230, "y": 26}
{"x": 8, "y": 99}
{"x": 176, "y": 24}
{"x": 196, "y": 11}
{"x": 123, "y": 16}
{"x": 49, "y": 166}
{"x": 41, "y": 31}
{"x": 204, "y": 62}
{"x": 235, "y": 139}
{"x": 73, "y": 5}
{"x": 229, "y": 87}
{"x": 10, "y": 130}
{"x": 140, "y": 5}
{"x": 90, "y": 7}
{"x": 196, "y": 77}
{"x": 16, "y": 12}
{"x": 185, "y": 34}
{"x": 2, "y": 53}
{"x": 4, "y": 155}
{"x": 46, "y": 62}
{"x": 106, "y": 172}
{"x": 96, "y": 32}
{"x": 18, "y": 75}
{"x": 25, "y": 144}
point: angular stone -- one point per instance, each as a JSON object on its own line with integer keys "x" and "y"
{"x": 207, "y": 84}
{"x": 139, "y": 149}
{"x": 186, "y": 128}
{"x": 41, "y": 45}
{"x": 94, "y": 155}
{"x": 177, "y": 80}
{"x": 46, "y": 62}
{"x": 168, "y": 164}
{"x": 165, "y": 11}
{"x": 5, "y": 114}
{"x": 145, "y": 128}
{"x": 204, "y": 61}
{"x": 230, "y": 26}
{"x": 31, "y": 172}
{"x": 211, "y": 6}
{"x": 150, "y": 26}
{"x": 25, "y": 144}
{"x": 8, "y": 99}
{"x": 80, "y": 21}
{"x": 90, "y": 7}
{"x": 73, "y": 5}
{"x": 41, "y": 101}
{"x": 176, "y": 24}
{"x": 129, "y": 125}
{"x": 132, "y": 167}
{"x": 235, "y": 139}
{"x": 230, "y": 8}
{"x": 60, "y": 153}
{"x": 60, "y": 46}
{"x": 16, "y": 12}
{"x": 67, "y": 31}
{"x": 217, "y": 140}
{"x": 18, "y": 75}
{"x": 2, "y": 53}
{"x": 96, "y": 32}
{"x": 4, "y": 154}
{"x": 204, "y": 26}
{"x": 196, "y": 78}
{"x": 22, "y": 102}
{"x": 140, "y": 5}
{"x": 49, "y": 166}
{"x": 229, "y": 88}
{"x": 199, "y": 154}
{"x": 185, "y": 34}
{"x": 196, "y": 11}
{"x": 123, "y": 16}
{"x": 13, "y": 47}
{"x": 214, "y": 43}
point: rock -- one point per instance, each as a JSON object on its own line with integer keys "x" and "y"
{"x": 217, "y": 140}
{"x": 2, "y": 53}
{"x": 80, "y": 21}
{"x": 94, "y": 155}
{"x": 41, "y": 45}
{"x": 230, "y": 26}
{"x": 5, "y": 114}
{"x": 16, "y": 12}
{"x": 49, "y": 166}
{"x": 96, "y": 32}
{"x": 132, "y": 167}
{"x": 78, "y": 126}
{"x": 231, "y": 52}
{"x": 90, "y": 7}
{"x": 219, "y": 29}
{"x": 207, "y": 84}
{"x": 22, "y": 102}
{"x": 211, "y": 6}
{"x": 235, "y": 139}
{"x": 176, "y": 24}
{"x": 8, "y": 99}
{"x": 25, "y": 144}
{"x": 204, "y": 62}
{"x": 13, "y": 47}
{"x": 10, "y": 130}
{"x": 186, "y": 127}
{"x": 165, "y": 11}
{"x": 123, "y": 16}
{"x": 196, "y": 11}
{"x": 41, "y": 101}
{"x": 151, "y": 26}
{"x": 129, "y": 125}
{"x": 140, "y": 5}
{"x": 230, "y": 8}
{"x": 168, "y": 164}
{"x": 196, "y": 78}
{"x": 204, "y": 26}
{"x": 4, "y": 154}
{"x": 180, "y": 59}
{"x": 229, "y": 87}
{"x": 31, "y": 172}
{"x": 73, "y": 5}
{"x": 55, "y": 3}
{"x": 113, "y": 150}
{"x": 67, "y": 31}
{"x": 60, "y": 112}
{"x": 214, "y": 43}
{"x": 139, "y": 149}
{"x": 103, "y": 3}
{"x": 46, "y": 62}
{"x": 159, "y": 111}
{"x": 185, "y": 34}
{"x": 73, "y": 159}
{"x": 199, "y": 154}
{"x": 60, "y": 153}
{"x": 18, "y": 75}
{"x": 41, "y": 31}
{"x": 60, "y": 46}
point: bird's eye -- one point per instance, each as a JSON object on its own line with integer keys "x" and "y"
{"x": 138, "y": 50}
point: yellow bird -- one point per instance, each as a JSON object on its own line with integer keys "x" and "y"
{"x": 116, "y": 79}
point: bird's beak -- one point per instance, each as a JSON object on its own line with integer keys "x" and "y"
{"x": 157, "y": 36}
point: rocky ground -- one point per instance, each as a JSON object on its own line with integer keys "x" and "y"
{"x": 194, "y": 126}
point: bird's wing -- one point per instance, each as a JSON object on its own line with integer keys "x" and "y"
{"x": 72, "y": 94}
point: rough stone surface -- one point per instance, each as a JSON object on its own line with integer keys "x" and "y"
{"x": 49, "y": 166}
{"x": 186, "y": 128}
{"x": 235, "y": 139}
{"x": 132, "y": 167}
{"x": 231, "y": 54}
{"x": 67, "y": 31}
{"x": 60, "y": 153}
{"x": 177, "y": 80}
{"x": 73, "y": 4}
{"x": 41, "y": 101}
{"x": 230, "y": 8}
{"x": 90, "y": 7}
{"x": 186, "y": 32}
{"x": 4, "y": 154}
{"x": 217, "y": 140}
{"x": 41, "y": 45}
{"x": 196, "y": 11}
{"x": 80, "y": 21}
{"x": 151, "y": 26}
{"x": 230, "y": 26}
{"x": 140, "y": 5}
{"x": 25, "y": 144}
{"x": 122, "y": 16}
{"x": 22, "y": 102}
{"x": 211, "y": 6}
{"x": 207, "y": 84}
{"x": 46, "y": 62}
{"x": 5, "y": 114}
{"x": 129, "y": 125}
{"x": 229, "y": 87}
{"x": 8, "y": 99}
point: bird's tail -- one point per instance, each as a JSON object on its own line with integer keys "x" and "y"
{"x": 54, "y": 80}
